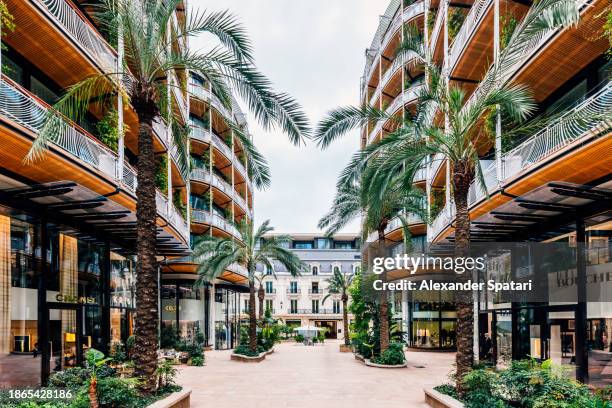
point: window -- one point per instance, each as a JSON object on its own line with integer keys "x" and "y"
{"x": 302, "y": 244}
{"x": 343, "y": 245}
{"x": 323, "y": 243}
{"x": 269, "y": 287}
{"x": 246, "y": 306}
{"x": 268, "y": 270}
{"x": 293, "y": 287}
{"x": 269, "y": 305}
{"x": 315, "y": 270}
{"x": 293, "y": 306}
{"x": 315, "y": 305}
{"x": 315, "y": 287}
{"x": 336, "y": 268}
{"x": 336, "y": 306}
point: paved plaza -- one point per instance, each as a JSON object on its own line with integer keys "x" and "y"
{"x": 315, "y": 376}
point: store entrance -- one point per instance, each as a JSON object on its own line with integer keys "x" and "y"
{"x": 331, "y": 326}
{"x": 64, "y": 347}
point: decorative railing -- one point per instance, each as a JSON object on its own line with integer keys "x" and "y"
{"x": 395, "y": 223}
{"x": 471, "y": 22}
{"x": 28, "y": 111}
{"x": 203, "y": 175}
{"x": 437, "y": 28}
{"x": 407, "y": 96}
{"x": 585, "y": 119}
{"x": 25, "y": 109}
{"x": 76, "y": 26}
{"x": 436, "y": 166}
{"x": 201, "y": 134}
{"x": 296, "y": 291}
{"x": 388, "y": 27}
{"x": 174, "y": 218}
{"x": 205, "y": 217}
{"x": 181, "y": 100}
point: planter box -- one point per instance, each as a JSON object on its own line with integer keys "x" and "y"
{"x": 345, "y": 349}
{"x": 436, "y": 399}
{"x": 255, "y": 359}
{"x": 181, "y": 399}
{"x": 371, "y": 364}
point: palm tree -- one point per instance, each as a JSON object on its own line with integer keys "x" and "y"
{"x": 216, "y": 254}
{"x": 261, "y": 293}
{"x": 339, "y": 284}
{"x": 150, "y": 59}
{"x": 350, "y": 203}
{"x": 415, "y": 141}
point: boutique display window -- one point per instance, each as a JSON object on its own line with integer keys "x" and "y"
{"x": 184, "y": 310}
{"x": 432, "y": 321}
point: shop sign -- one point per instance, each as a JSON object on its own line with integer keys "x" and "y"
{"x": 75, "y": 299}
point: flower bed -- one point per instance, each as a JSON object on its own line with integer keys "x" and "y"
{"x": 243, "y": 353}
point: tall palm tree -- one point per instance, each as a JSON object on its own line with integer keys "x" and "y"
{"x": 339, "y": 284}
{"x": 145, "y": 27}
{"x": 414, "y": 142}
{"x": 216, "y": 254}
{"x": 351, "y": 202}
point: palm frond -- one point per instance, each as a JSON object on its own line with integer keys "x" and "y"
{"x": 344, "y": 119}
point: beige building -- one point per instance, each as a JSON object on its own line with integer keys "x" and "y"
{"x": 298, "y": 300}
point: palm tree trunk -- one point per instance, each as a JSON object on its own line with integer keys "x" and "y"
{"x": 347, "y": 339}
{"x": 252, "y": 317}
{"x": 463, "y": 175}
{"x": 260, "y": 296}
{"x": 384, "y": 305}
{"x": 145, "y": 347}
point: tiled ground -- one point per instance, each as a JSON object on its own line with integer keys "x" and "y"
{"x": 319, "y": 376}
{"x": 19, "y": 370}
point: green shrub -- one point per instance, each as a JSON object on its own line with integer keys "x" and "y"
{"x": 245, "y": 350}
{"x": 394, "y": 355}
{"x": 299, "y": 338}
{"x": 197, "y": 361}
{"x": 114, "y": 392}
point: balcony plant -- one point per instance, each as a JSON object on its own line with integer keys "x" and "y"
{"x": 339, "y": 284}
{"x": 142, "y": 83}
{"x": 402, "y": 151}
{"x": 216, "y": 254}
{"x": 456, "y": 17}
{"x": 180, "y": 206}
{"x": 108, "y": 129}
{"x": 161, "y": 173}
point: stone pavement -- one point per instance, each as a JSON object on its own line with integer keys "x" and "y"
{"x": 317, "y": 376}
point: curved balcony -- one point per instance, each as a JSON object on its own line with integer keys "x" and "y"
{"x": 410, "y": 95}
{"x": 204, "y": 94}
{"x": 204, "y": 176}
{"x": 76, "y": 26}
{"x": 472, "y": 21}
{"x": 396, "y": 224}
{"x": 537, "y": 149}
{"x": 436, "y": 166}
{"x": 390, "y": 26}
{"x": 25, "y": 109}
{"x": 205, "y": 136}
{"x": 390, "y": 73}
{"x": 436, "y": 32}
{"x": 215, "y": 221}
{"x": 171, "y": 214}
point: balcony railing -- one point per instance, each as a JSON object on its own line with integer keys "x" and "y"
{"x": 437, "y": 28}
{"x": 174, "y": 218}
{"x": 312, "y": 291}
{"x": 76, "y": 26}
{"x": 27, "y": 110}
{"x": 201, "y": 134}
{"x": 314, "y": 311}
{"x": 567, "y": 129}
{"x": 471, "y": 22}
{"x": 271, "y": 291}
{"x": 296, "y": 291}
{"x": 409, "y": 95}
{"x": 216, "y": 221}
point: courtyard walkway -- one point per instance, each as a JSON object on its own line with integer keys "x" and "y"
{"x": 317, "y": 376}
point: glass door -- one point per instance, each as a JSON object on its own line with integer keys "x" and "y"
{"x": 65, "y": 346}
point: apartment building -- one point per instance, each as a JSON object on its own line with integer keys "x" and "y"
{"x": 551, "y": 186}
{"x": 298, "y": 301}
{"x": 67, "y": 222}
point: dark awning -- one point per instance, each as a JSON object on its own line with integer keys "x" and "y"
{"x": 542, "y": 213}
{"x": 87, "y": 215}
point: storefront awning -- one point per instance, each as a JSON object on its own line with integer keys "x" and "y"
{"x": 86, "y": 214}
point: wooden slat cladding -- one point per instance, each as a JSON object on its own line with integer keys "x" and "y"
{"x": 44, "y": 45}
{"x": 567, "y": 54}
{"x": 580, "y": 162}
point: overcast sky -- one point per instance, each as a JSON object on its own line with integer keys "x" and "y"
{"x": 314, "y": 50}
